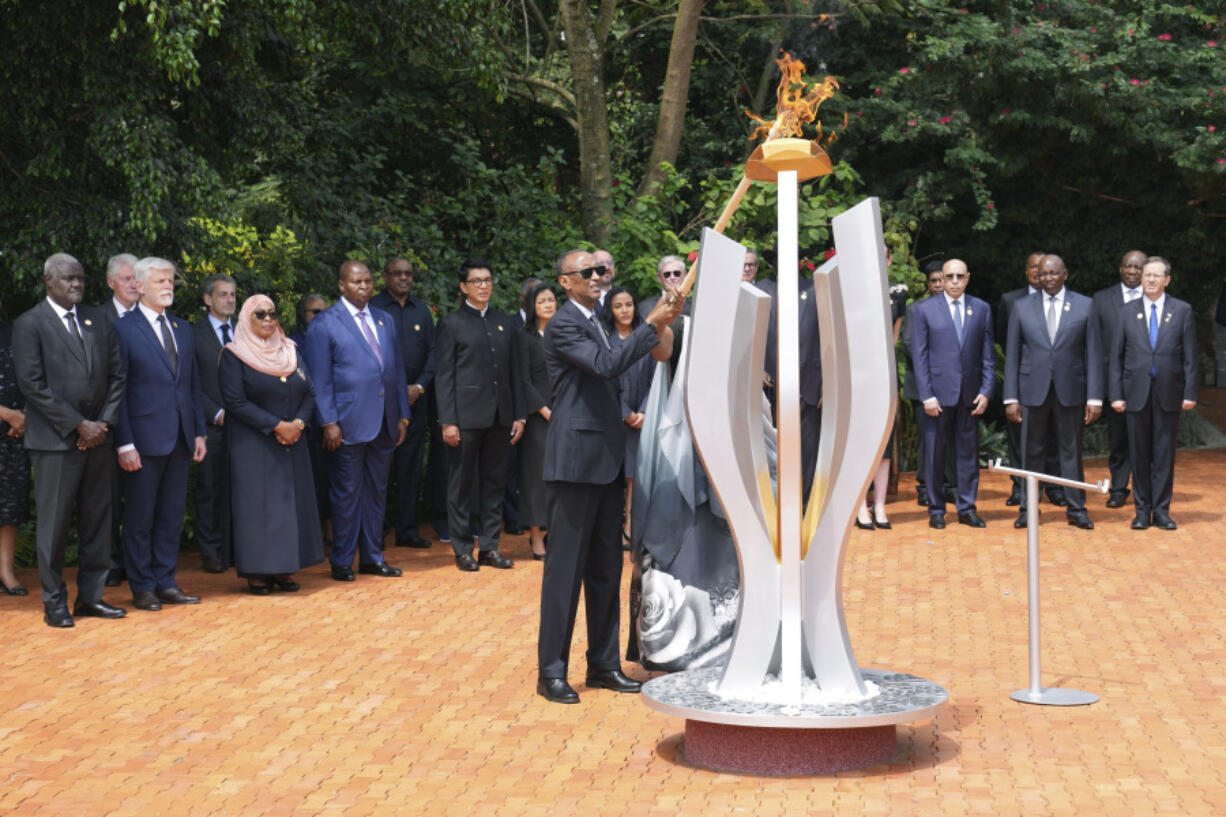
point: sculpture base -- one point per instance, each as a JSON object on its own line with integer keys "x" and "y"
{"x": 770, "y": 738}
{"x": 765, "y": 750}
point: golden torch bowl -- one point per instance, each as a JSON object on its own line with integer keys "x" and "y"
{"x": 776, "y": 155}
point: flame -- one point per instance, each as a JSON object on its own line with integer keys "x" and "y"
{"x": 797, "y": 103}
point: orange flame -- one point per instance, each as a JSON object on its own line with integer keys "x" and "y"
{"x": 797, "y": 103}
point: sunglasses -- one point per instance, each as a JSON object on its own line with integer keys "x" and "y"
{"x": 956, "y": 276}
{"x": 265, "y": 314}
{"x": 586, "y": 272}
{"x": 672, "y": 273}
{"x": 313, "y": 311}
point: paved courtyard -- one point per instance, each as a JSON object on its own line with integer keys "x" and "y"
{"x": 416, "y": 695}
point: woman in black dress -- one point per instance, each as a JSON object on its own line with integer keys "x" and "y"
{"x": 14, "y": 464}
{"x": 273, "y": 522}
{"x": 539, "y": 306}
{"x": 881, "y": 477}
{"x": 621, "y": 316}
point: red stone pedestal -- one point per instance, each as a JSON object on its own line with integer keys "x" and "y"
{"x": 765, "y": 750}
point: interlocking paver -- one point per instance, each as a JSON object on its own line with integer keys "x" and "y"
{"x": 389, "y": 697}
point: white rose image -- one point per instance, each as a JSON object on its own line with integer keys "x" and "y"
{"x": 674, "y": 619}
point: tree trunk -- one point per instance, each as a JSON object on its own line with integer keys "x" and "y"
{"x": 586, "y": 54}
{"x": 676, "y": 93}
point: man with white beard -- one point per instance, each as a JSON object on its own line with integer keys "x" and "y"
{"x": 161, "y": 431}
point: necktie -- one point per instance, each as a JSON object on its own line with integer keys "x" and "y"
{"x": 1153, "y": 326}
{"x": 958, "y": 320}
{"x": 1053, "y": 318}
{"x": 75, "y": 331}
{"x": 370, "y": 338}
{"x": 168, "y": 343}
{"x": 600, "y": 331}
{"x": 1132, "y": 295}
{"x": 225, "y": 334}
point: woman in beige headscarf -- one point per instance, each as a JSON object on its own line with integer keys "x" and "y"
{"x": 271, "y": 517}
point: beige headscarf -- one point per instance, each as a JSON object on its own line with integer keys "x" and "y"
{"x": 277, "y": 356}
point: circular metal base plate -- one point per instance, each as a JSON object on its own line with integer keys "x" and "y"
{"x": 777, "y": 751}
{"x": 1054, "y": 696}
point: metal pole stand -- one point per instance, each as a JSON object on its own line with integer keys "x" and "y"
{"x": 1036, "y": 693}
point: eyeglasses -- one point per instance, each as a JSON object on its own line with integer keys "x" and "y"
{"x": 399, "y": 273}
{"x": 265, "y": 314}
{"x": 480, "y": 282}
{"x": 750, "y": 264}
{"x": 956, "y": 276}
{"x": 586, "y": 272}
{"x": 672, "y": 273}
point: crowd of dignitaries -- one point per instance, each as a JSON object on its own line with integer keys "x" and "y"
{"x": 1131, "y": 346}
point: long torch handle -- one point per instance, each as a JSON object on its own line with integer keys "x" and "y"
{"x": 722, "y": 224}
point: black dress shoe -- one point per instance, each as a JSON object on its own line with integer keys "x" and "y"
{"x": 864, "y": 525}
{"x": 342, "y": 573}
{"x": 971, "y": 518}
{"x": 1015, "y": 498}
{"x": 1163, "y": 521}
{"x": 114, "y": 577}
{"x": 613, "y": 679}
{"x": 212, "y": 565}
{"x": 466, "y": 563}
{"x": 173, "y": 595}
{"x": 515, "y": 530}
{"x": 1082, "y": 521}
{"x": 379, "y": 569}
{"x": 284, "y": 584}
{"x": 492, "y": 558}
{"x": 1141, "y": 522}
{"x": 413, "y": 542}
{"x": 921, "y": 498}
{"x": 1057, "y": 498}
{"x": 1116, "y": 499}
{"x": 58, "y": 617}
{"x": 1021, "y": 521}
{"x": 145, "y": 600}
{"x": 556, "y": 690}
{"x": 259, "y": 588}
{"x": 936, "y": 521}
{"x": 17, "y": 590}
{"x": 97, "y": 609}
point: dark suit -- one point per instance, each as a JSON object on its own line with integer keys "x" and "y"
{"x": 954, "y": 373}
{"x": 810, "y": 371}
{"x": 209, "y": 473}
{"x": 584, "y": 479}
{"x": 1013, "y": 431}
{"x": 1052, "y": 381}
{"x": 66, "y": 383}
{"x": 1154, "y": 383}
{"x": 477, "y": 385}
{"x": 1107, "y": 303}
{"x": 161, "y": 414}
{"x": 415, "y": 332}
{"x": 911, "y": 392}
{"x": 649, "y": 303}
{"x": 110, "y": 314}
{"x": 367, "y": 400}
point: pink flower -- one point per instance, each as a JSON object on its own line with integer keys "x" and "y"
{"x": 1130, "y": 31}
{"x": 963, "y": 11}
{"x": 1211, "y": 44}
{"x": 693, "y": 255}
{"x": 912, "y": 122}
{"x": 877, "y": 91}
{"x": 1222, "y": 161}
{"x": 1164, "y": 37}
{"x": 991, "y": 206}
{"x": 945, "y": 120}
{"x": 1212, "y": 128}
{"x": 859, "y": 113}
{"x": 1004, "y": 111}
{"x": 1094, "y": 30}
{"x": 904, "y": 70}
{"x": 1134, "y": 81}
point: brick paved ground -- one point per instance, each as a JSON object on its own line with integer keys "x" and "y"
{"x": 415, "y": 696}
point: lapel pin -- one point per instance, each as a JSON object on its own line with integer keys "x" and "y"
{"x": 1167, "y": 319}
{"x": 282, "y": 378}
{"x": 88, "y": 322}
{"x": 1067, "y": 307}
{"x": 417, "y": 327}
{"x": 499, "y": 327}
{"x": 380, "y": 323}
{"x": 1140, "y": 316}
{"x": 804, "y": 295}
{"x": 970, "y": 311}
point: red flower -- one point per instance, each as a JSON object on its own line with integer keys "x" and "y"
{"x": 1212, "y": 128}
{"x": 1004, "y": 110}
{"x": 809, "y": 265}
{"x": 692, "y": 256}
{"x": 827, "y": 255}
{"x": 912, "y": 122}
{"x": 991, "y": 206}
{"x": 1164, "y": 37}
{"x": 877, "y": 91}
{"x": 1211, "y": 44}
{"x": 945, "y": 120}
{"x": 904, "y": 70}
{"x": 1134, "y": 81}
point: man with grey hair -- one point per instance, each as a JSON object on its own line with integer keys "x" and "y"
{"x": 670, "y": 271}
{"x": 608, "y": 270}
{"x": 124, "y": 295}
{"x": 213, "y": 332}
{"x": 161, "y": 432}
{"x": 69, "y": 369}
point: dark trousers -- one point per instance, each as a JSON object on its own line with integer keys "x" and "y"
{"x": 358, "y": 495}
{"x": 954, "y": 424}
{"x": 407, "y": 470}
{"x": 1118, "y": 461}
{"x": 1152, "y": 437}
{"x": 921, "y": 453}
{"x": 1050, "y": 432}
{"x": 810, "y": 439}
{"x": 154, "y": 501}
{"x": 116, "y": 544}
{"x": 64, "y": 480}
{"x": 482, "y": 456}
{"x": 584, "y": 551}
{"x": 510, "y": 495}
{"x": 1017, "y": 456}
{"x": 208, "y": 496}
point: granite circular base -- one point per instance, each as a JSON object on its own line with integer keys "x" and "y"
{"x": 767, "y": 750}
{"x": 757, "y": 737}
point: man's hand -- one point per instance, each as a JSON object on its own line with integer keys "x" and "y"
{"x": 1119, "y": 405}
{"x": 221, "y": 419}
{"x": 451, "y": 434}
{"x": 545, "y": 412}
{"x": 1093, "y": 413}
{"x": 415, "y": 391}
{"x": 932, "y": 408}
{"x": 635, "y": 419}
{"x": 666, "y": 309}
{"x": 981, "y": 404}
{"x": 17, "y": 423}
{"x": 517, "y": 431}
{"x": 1013, "y": 412}
{"x": 287, "y": 433}
{"x": 1188, "y": 405}
{"x": 130, "y": 460}
{"x": 332, "y": 437}
{"x": 404, "y": 430}
{"x": 90, "y": 434}
{"x": 201, "y": 450}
